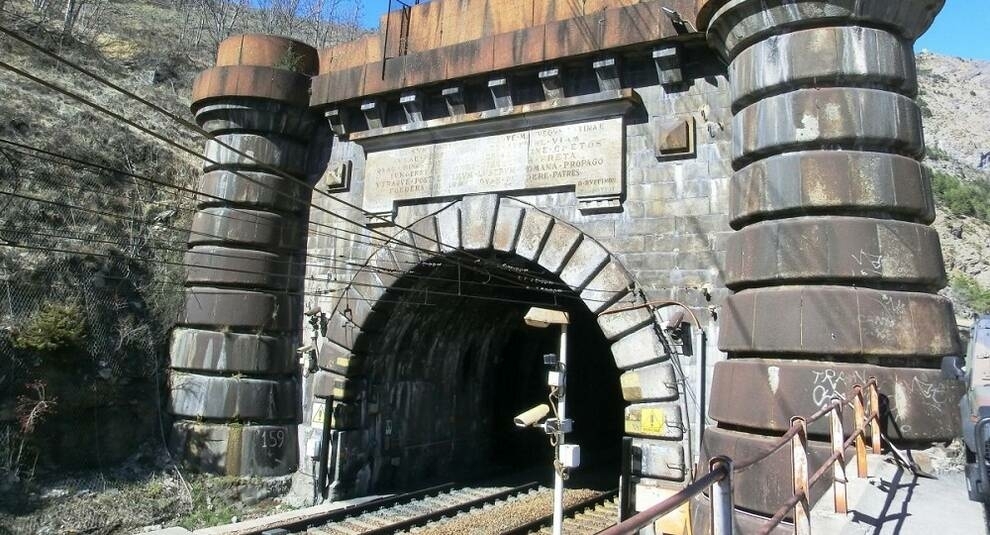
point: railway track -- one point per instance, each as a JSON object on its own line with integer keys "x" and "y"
{"x": 448, "y": 510}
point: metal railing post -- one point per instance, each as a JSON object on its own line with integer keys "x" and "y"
{"x": 839, "y": 467}
{"x": 625, "y": 479}
{"x": 874, "y": 415}
{"x": 723, "y": 504}
{"x": 799, "y": 469}
{"x": 860, "y": 419}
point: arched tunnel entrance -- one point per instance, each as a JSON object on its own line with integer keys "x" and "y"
{"x": 451, "y": 362}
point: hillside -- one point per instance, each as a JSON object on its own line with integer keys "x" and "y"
{"x": 955, "y": 98}
{"x": 90, "y": 277}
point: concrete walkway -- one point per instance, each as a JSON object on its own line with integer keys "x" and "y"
{"x": 895, "y": 501}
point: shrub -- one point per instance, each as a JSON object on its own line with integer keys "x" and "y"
{"x": 971, "y": 293}
{"x": 52, "y": 328}
{"x": 962, "y": 197}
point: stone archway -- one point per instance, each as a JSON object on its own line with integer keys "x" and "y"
{"x": 510, "y": 228}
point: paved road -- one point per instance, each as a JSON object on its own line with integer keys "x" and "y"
{"x": 893, "y": 501}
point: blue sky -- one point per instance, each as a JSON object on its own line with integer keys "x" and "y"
{"x": 961, "y": 29}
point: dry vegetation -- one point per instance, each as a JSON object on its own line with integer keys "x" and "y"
{"x": 89, "y": 276}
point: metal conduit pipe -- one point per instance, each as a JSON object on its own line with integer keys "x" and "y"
{"x": 233, "y": 380}
{"x": 834, "y": 267}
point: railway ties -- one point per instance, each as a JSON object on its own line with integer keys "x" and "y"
{"x": 447, "y": 510}
{"x": 417, "y": 509}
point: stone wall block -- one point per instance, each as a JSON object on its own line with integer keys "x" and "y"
{"x": 835, "y": 249}
{"x": 327, "y": 385}
{"x": 237, "y": 116}
{"x": 769, "y": 481}
{"x": 242, "y": 450}
{"x": 822, "y": 182}
{"x": 837, "y": 320}
{"x": 338, "y": 359}
{"x": 922, "y": 405}
{"x": 255, "y": 152}
{"x": 249, "y": 228}
{"x": 239, "y": 398}
{"x": 638, "y": 348}
{"x": 224, "y": 266}
{"x": 852, "y": 118}
{"x": 740, "y": 23}
{"x": 197, "y": 349}
{"x": 426, "y": 235}
{"x": 850, "y": 56}
{"x": 240, "y": 309}
{"x": 252, "y": 189}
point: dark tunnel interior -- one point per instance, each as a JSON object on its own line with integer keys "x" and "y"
{"x": 452, "y": 362}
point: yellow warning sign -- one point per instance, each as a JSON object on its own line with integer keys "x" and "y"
{"x": 319, "y": 414}
{"x": 652, "y": 421}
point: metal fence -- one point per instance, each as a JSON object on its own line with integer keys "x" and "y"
{"x": 719, "y": 478}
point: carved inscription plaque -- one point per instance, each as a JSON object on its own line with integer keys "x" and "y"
{"x": 587, "y": 156}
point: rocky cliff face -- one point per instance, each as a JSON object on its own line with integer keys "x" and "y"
{"x": 955, "y": 99}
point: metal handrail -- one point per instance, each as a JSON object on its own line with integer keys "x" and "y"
{"x": 722, "y": 469}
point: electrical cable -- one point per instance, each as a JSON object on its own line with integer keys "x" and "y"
{"x": 196, "y": 154}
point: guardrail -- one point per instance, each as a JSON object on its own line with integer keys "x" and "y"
{"x": 719, "y": 477}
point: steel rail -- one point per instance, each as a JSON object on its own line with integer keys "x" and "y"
{"x": 545, "y": 521}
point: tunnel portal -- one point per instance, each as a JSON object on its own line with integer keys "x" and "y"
{"x": 452, "y": 362}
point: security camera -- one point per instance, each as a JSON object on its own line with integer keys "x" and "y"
{"x": 306, "y": 348}
{"x": 313, "y": 311}
{"x": 533, "y": 416}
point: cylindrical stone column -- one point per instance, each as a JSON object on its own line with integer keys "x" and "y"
{"x": 233, "y": 384}
{"x": 834, "y": 268}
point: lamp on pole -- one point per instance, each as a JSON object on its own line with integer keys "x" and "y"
{"x": 565, "y": 455}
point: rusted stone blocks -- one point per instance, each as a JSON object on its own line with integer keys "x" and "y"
{"x": 232, "y": 362}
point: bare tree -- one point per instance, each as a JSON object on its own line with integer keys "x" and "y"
{"x": 221, "y": 16}
{"x": 333, "y": 21}
{"x": 281, "y": 16}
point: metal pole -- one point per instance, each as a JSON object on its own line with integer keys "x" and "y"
{"x": 860, "y": 419}
{"x": 625, "y": 479}
{"x": 558, "y": 478}
{"x": 874, "y": 420}
{"x": 799, "y": 469}
{"x": 839, "y": 468}
{"x": 722, "y": 503}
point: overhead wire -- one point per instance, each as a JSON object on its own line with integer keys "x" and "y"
{"x": 199, "y": 130}
{"x": 373, "y": 269}
{"x": 200, "y": 290}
